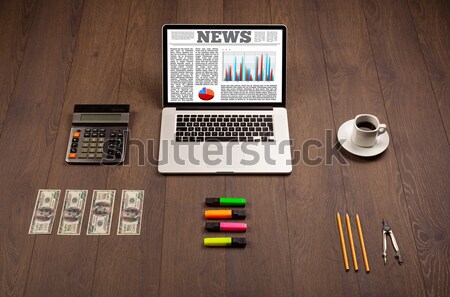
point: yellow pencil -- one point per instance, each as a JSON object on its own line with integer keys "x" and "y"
{"x": 363, "y": 246}
{"x": 341, "y": 235}
{"x": 352, "y": 246}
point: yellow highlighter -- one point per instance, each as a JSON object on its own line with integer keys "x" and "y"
{"x": 225, "y": 242}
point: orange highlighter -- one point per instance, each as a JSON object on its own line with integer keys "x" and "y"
{"x": 225, "y": 214}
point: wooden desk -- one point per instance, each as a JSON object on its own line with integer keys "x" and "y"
{"x": 389, "y": 58}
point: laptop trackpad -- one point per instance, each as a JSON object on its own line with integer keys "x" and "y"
{"x": 220, "y": 156}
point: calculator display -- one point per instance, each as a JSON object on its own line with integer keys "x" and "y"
{"x": 100, "y": 117}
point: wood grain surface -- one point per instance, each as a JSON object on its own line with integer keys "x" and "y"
{"x": 388, "y": 58}
{"x": 16, "y": 18}
{"x": 432, "y": 24}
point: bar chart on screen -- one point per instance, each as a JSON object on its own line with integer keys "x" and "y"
{"x": 248, "y": 66}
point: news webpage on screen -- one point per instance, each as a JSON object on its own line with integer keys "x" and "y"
{"x": 224, "y": 66}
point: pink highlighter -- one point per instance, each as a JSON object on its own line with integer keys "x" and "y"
{"x": 226, "y": 227}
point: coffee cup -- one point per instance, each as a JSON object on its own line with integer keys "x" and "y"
{"x": 366, "y": 129}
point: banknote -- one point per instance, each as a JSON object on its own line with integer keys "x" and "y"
{"x": 100, "y": 216}
{"x": 72, "y": 212}
{"x": 44, "y": 211}
{"x": 130, "y": 216}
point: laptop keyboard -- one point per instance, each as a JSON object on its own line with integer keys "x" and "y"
{"x": 248, "y": 128}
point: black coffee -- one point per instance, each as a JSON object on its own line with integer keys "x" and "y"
{"x": 366, "y": 126}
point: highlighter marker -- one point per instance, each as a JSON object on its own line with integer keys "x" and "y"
{"x": 225, "y": 214}
{"x": 232, "y": 202}
{"x": 225, "y": 242}
{"x": 226, "y": 227}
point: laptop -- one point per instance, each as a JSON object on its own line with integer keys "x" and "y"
{"x": 224, "y": 99}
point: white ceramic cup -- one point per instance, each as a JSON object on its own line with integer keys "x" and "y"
{"x": 366, "y": 128}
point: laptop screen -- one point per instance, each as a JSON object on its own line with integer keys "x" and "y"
{"x": 224, "y": 64}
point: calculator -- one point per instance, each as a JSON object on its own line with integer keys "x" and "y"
{"x": 98, "y": 134}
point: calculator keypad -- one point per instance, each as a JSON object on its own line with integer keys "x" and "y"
{"x": 96, "y": 145}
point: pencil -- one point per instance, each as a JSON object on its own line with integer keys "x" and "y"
{"x": 341, "y": 235}
{"x": 352, "y": 246}
{"x": 363, "y": 246}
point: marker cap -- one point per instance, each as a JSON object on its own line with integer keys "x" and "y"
{"x": 238, "y": 242}
{"x": 212, "y": 227}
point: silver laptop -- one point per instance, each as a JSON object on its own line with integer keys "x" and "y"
{"x": 224, "y": 98}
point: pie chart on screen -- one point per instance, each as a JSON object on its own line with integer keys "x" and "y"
{"x": 206, "y": 94}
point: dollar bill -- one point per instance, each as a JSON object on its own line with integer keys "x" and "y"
{"x": 44, "y": 211}
{"x": 100, "y": 216}
{"x": 130, "y": 216}
{"x": 72, "y": 212}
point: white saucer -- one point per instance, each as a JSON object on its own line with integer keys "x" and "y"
{"x": 344, "y": 137}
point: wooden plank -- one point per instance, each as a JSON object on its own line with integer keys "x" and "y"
{"x": 256, "y": 270}
{"x": 187, "y": 267}
{"x": 432, "y": 23}
{"x": 373, "y": 189}
{"x": 314, "y": 193}
{"x": 130, "y": 265}
{"x": 419, "y": 137}
{"x": 29, "y": 133}
{"x": 16, "y": 18}
{"x": 94, "y": 78}
{"x": 263, "y": 267}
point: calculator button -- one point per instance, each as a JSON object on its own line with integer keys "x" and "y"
{"x": 100, "y": 150}
{"x": 87, "y": 134}
{"x": 72, "y": 155}
{"x": 99, "y": 144}
{"x": 91, "y": 156}
{"x": 93, "y": 144}
{"x": 101, "y": 139}
{"x": 92, "y": 150}
{"x": 75, "y": 144}
{"x": 99, "y": 155}
{"x": 120, "y": 135}
{"x": 94, "y": 130}
{"x": 112, "y": 134}
{"x": 73, "y": 150}
{"x": 94, "y": 139}
{"x": 74, "y": 139}
{"x": 82, "y": 156}
{"x": 84, "y": 150}
{"x": 102, "y": 130}
{"x": 85, "y": 144}
{"x": 87, "y": 139}
{"x": 87, "y": 130}
{"x": 94, "y": 134}
{"x": 102, "y": 135}
{"x": 76, "y": 134}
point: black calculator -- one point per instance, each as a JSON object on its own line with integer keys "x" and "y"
{"x": 99, "y": 134}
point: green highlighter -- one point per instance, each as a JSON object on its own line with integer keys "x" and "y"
{"x": 223, "y": 201}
